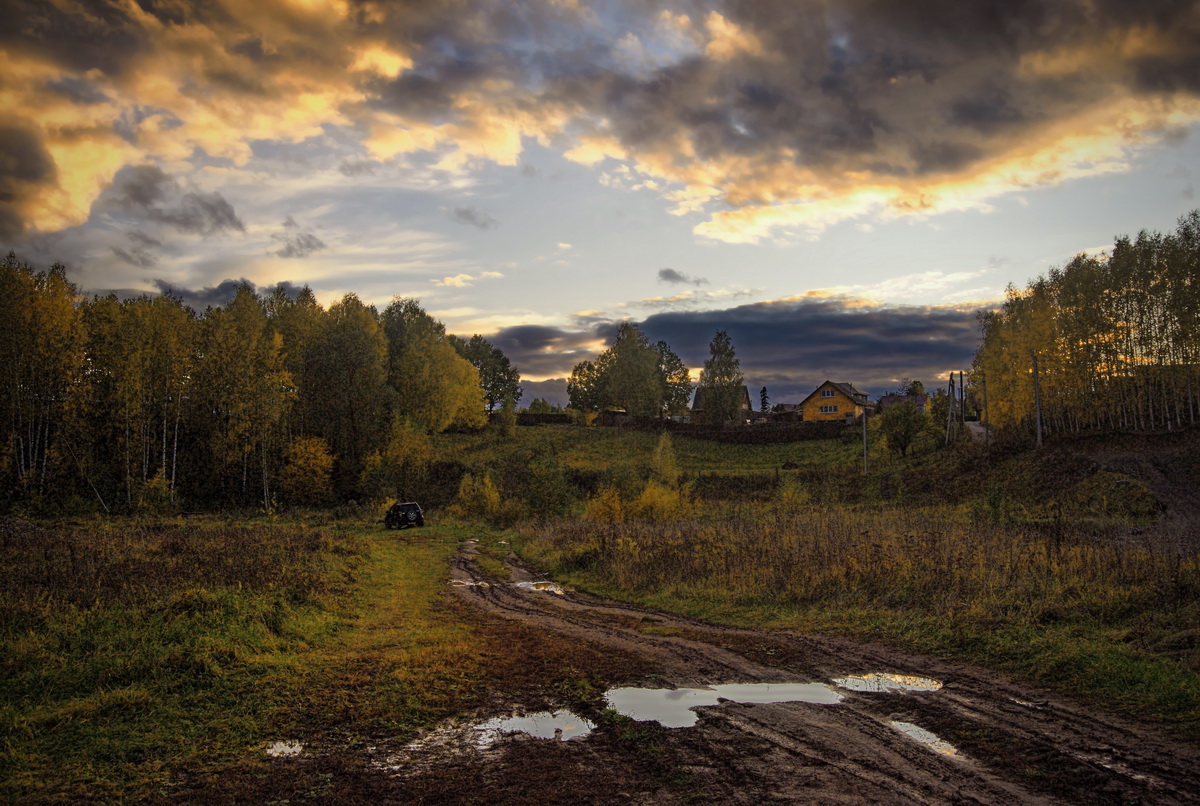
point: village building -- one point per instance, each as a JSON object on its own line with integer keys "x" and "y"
{"x": 831, "y": 402}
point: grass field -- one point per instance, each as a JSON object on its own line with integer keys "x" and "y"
{"x": 138, "y": 655}
{"x": 144, "y": 658}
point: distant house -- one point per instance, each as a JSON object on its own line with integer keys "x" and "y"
{"x": 833, "y": 401}
{"x": 698, "y": 405}
{"x": 891, "y": 399}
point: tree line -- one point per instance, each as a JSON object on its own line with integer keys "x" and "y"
{"x": 647, "y": 380}
{"x": 128, "y": 402}
{"x": 1103, "y": 343}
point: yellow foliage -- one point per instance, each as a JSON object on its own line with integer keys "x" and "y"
{"x": 155, "y": 496}
{"x": 307, "y": 476}
{"x": 478, "y": 497}
{"x": 791, "y": 495}
{"x": 605, "y": 507}
{"x": 659, "y": 503}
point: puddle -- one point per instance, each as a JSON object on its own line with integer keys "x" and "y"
{"x": 284, "y": 749}
{"x": 674, "y": 708}
{"x": 466, "y": 583}
{"x": 545, "y": 725}
{"x": 550, "y": 587}
{"x": 923, "y": 736}
{"x": 885, "y": 681}
{"x": 456, "y": 737}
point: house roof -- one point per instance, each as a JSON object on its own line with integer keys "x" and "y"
{"x": 846, "y": 389}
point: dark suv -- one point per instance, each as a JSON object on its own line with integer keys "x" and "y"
{"x": 402, "y": 515}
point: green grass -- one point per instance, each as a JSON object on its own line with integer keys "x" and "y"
{"x": 133, "y": 654}
{"x": 601, "y": 449}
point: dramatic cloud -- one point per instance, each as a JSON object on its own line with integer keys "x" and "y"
{"x": 790, "y": 346}
{"x": 473, "y": 218}
{"x": 677, "y": 277}
{"x": 202, "y": 298}
{"x": 24, "y": 165}
{"x": 769, "y": 119}
{"x": 146, "y": 192}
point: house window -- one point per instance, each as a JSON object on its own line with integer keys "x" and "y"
{"x": 827, "y": 393}
{"x": 829, "y": 409}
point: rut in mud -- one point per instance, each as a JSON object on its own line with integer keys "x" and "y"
{"x": 975, "y": 739}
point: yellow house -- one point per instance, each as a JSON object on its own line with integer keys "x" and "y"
{"x": 833, "y": 401}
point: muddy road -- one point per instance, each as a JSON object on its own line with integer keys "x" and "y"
{"x": 892, "y": 728}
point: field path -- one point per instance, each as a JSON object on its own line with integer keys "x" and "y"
{"x": 1000, "y": 743}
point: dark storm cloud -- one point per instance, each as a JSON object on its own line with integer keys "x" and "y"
{"x": 553, "y": 391}
{"x": 79, "y": 37}
{"x": 147, "y": 191}
{"x": 677, "y": 277}
{"x": 789, "y": 346}
{"x": 793, "y": 345}
{"x": 24, "y": 166}
{"x": 201, "y": 298}
{"x": 542, "y": 350}
{"x": 472, "y": 218}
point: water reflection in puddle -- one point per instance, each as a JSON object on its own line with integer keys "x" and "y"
{"x": 673, "y": 708}
{"x": 284, "y": 749}
{"x": 884, "y": 682}
{"x": 467, "y": 583}
{"x": 925, "y": 737}
{"x": 457, "y": 737}
{"x": 544, "y": 725}
{"x": 545, "y": 585}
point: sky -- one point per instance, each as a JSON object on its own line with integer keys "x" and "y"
{"x": 840, "y": 186}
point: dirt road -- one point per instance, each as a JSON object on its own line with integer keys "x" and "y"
{"x": 976, "y": 739}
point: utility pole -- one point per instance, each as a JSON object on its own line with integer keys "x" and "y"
{"x": 950, "y": 408}
{"x": 864, "y": 418}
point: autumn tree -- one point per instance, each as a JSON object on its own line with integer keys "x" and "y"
{"x": 240, "y": 396}
{"x": 307, "y": 475}
{"x": 1112, "y": 341}
{"x": 632, "y": 375}
{"x": 433, "y": 386}
{"x": 675, "y": 379}
{"x": 901, "y": 423}
{"x": 349, "y": 393}
{"x": 584, "y": 390}
{"x": 721, "y": 381}
{"x": 498, "y": 378}
{"x": 41, "y": 358}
